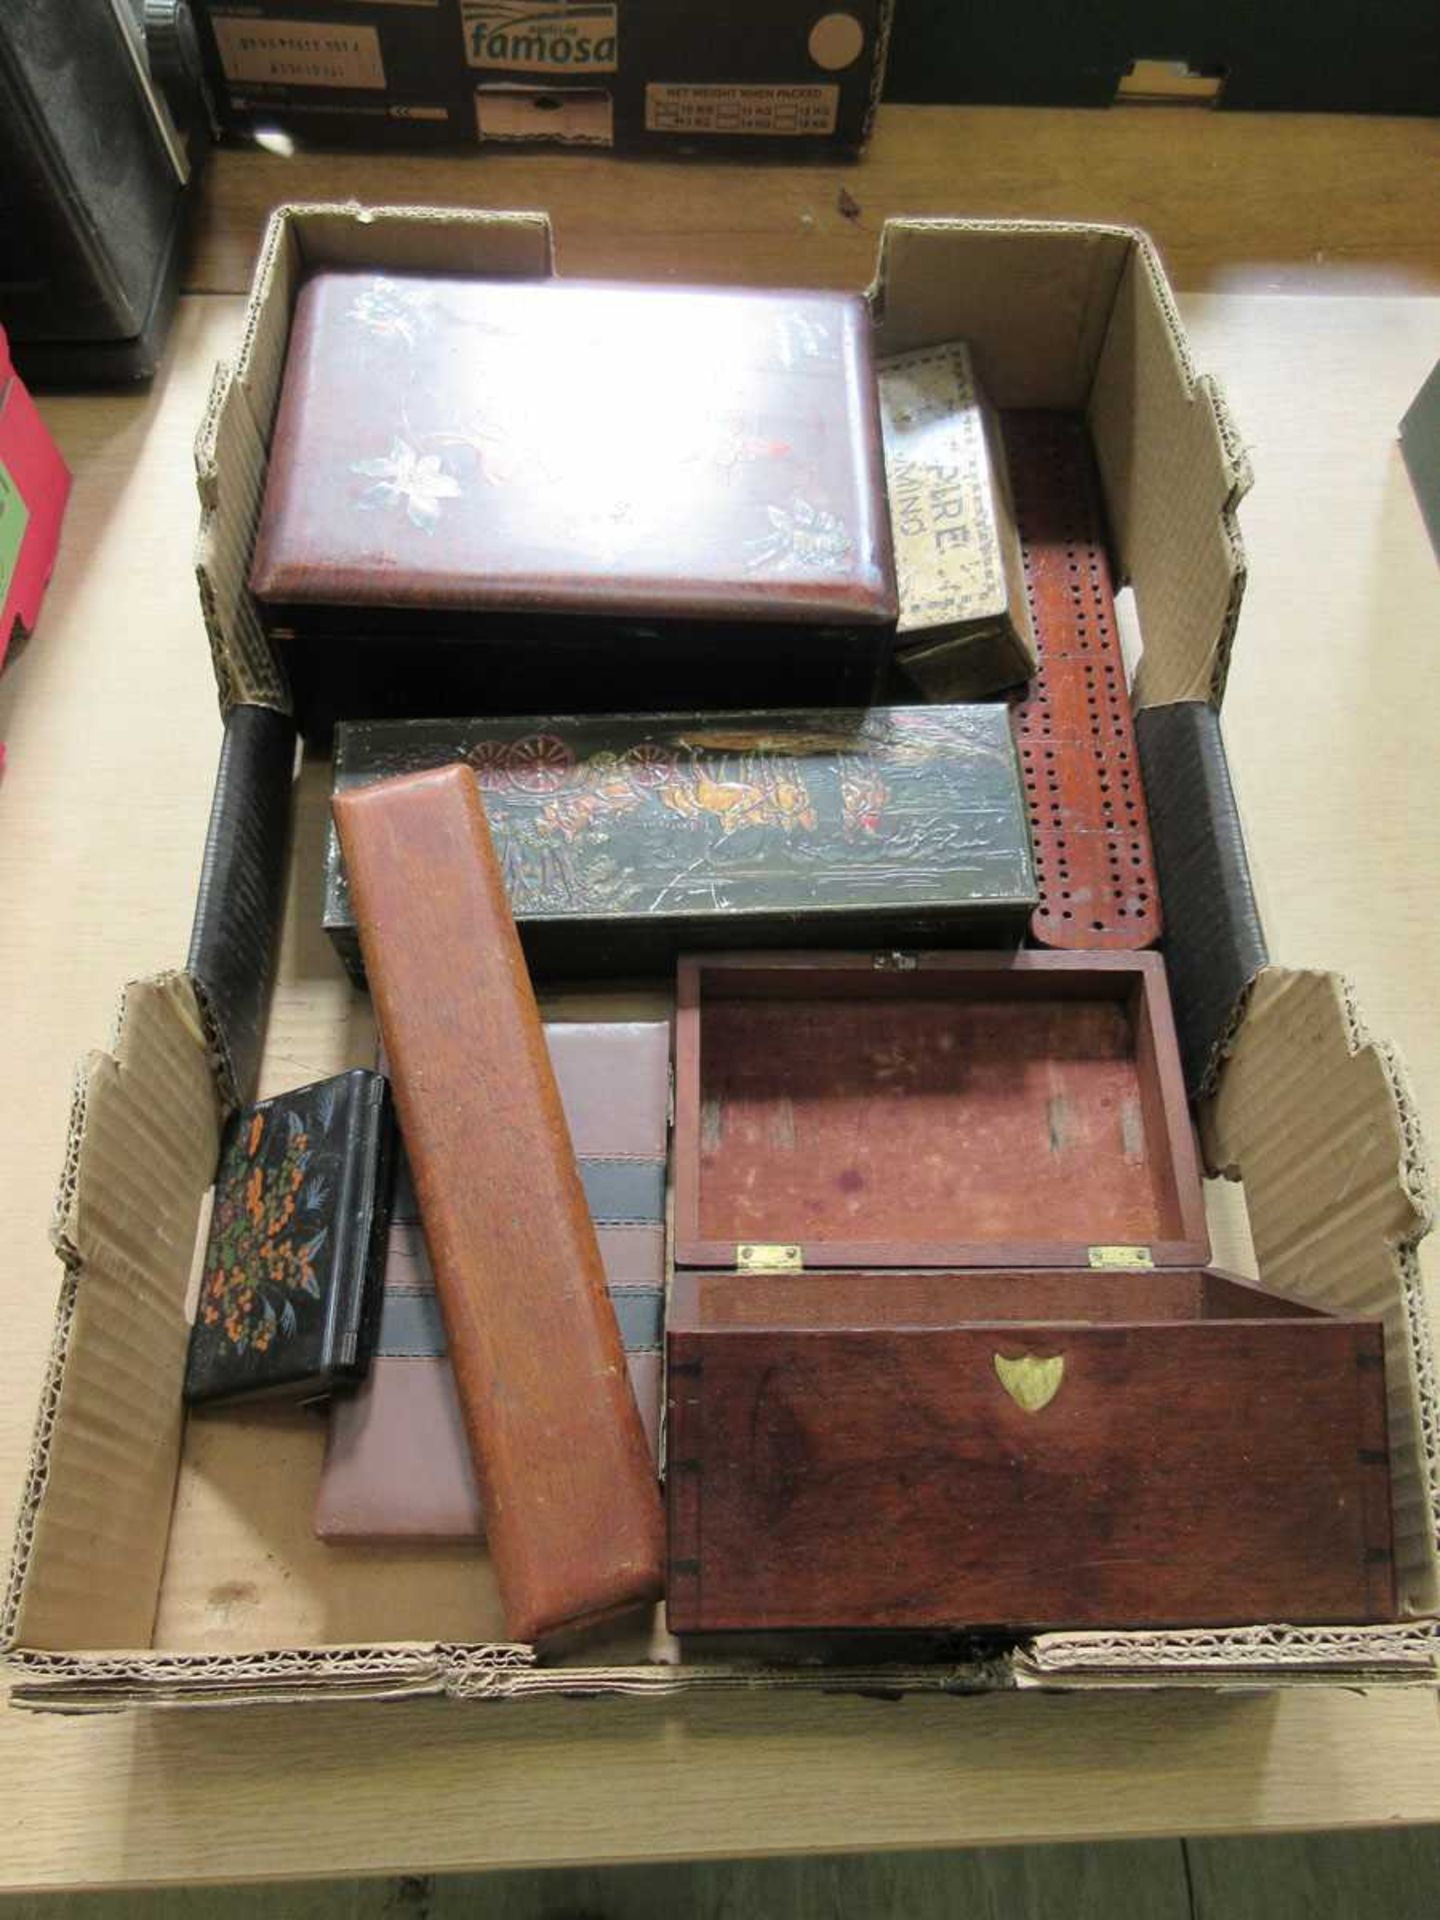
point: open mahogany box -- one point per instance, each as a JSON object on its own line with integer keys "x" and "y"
{"x": 156, "y": 1561}
{"x": 1040, "y": 1440}
{"x": 932, "y": 1110}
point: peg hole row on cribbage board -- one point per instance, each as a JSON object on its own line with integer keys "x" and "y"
{"x": 1088, "y": 820}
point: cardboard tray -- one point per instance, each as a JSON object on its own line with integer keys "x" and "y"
{"x": 157, "y": 1565}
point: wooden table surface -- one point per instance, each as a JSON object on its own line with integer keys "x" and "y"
{"x": 1307, "y": 252}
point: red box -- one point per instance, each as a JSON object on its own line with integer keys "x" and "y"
{"x": 34, "y": 486}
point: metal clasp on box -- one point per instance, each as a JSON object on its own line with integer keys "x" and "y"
{"x": 896, "y": 962}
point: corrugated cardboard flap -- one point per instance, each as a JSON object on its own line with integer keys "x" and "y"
{"x": 230, "y": 475}
{"x": 1233, "y": 1657}
{"x": 96, "y": 1508}
{"x": 90, "y": 1683}
{"x": 231, "y": 448}
{"x": 1174, "y": 471}
{"x": 1032, "y": 299}
{"x": 1316, "y": 1119}
{"x": 101, "y": 1683}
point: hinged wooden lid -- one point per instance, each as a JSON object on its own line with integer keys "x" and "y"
{"x": 554, "y": 446}
{"x": 965, "y": 1110}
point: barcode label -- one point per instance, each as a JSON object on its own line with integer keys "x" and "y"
{"x": 299, "y": 53}
{"x": 671, "y": 108}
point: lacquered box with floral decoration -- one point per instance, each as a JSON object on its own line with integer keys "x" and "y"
{"x": 290, "y": 1292}
{"x": 510, "y": 496}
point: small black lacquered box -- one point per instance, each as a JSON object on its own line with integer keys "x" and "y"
{"x": 290, "y": 1293}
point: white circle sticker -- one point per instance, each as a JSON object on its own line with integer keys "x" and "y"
{"x": 836, "y": 41}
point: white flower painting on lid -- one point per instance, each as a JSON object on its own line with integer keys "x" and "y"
{"x": 406, "y": 477}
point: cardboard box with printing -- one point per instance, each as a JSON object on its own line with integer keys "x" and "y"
{"x": 760, "y": 78}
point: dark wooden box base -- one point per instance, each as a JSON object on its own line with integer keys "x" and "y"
{"x": 346, "y": 664}
{"x": 1022, "y": 1450}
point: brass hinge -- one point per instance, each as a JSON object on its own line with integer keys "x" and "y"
{"x": 753, "y": 1258}
{"x": 1122, "y": 1259}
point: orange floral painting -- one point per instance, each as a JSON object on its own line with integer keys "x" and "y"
{"x": 269, "y": 1229}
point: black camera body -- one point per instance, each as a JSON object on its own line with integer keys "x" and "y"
{"x": 104, "y": 126}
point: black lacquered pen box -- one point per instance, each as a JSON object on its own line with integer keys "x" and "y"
{"x": 626, "y": 838}
{"x": 290, "y": 1292}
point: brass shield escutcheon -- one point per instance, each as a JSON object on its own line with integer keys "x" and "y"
{"x": 1032, "y": 1383}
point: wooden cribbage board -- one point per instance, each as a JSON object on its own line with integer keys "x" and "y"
{"x": 1088, "y": 819}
